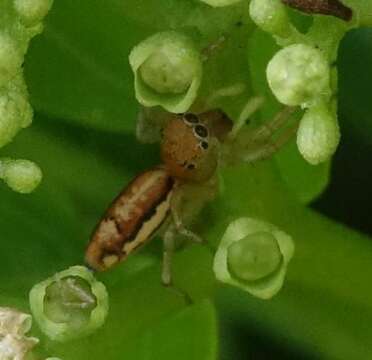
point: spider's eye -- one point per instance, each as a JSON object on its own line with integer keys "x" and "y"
{"x": 204, "y": 145}
{"x": 201, "y": 131}
{"x": 190, "y": 118}
{"x": 191, "y": 166}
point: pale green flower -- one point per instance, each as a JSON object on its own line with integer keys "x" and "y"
{"x": 70, "y": 304}
{"x": 167, "y": 69}
{"x": 253, "y": 255}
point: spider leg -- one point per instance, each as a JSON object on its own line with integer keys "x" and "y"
{"x": 166, "y": 276}
{"x": 268, "y": 148}
{"x": 267, "y": 129}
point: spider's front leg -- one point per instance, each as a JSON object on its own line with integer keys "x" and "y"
{"x": 249, "y": 145}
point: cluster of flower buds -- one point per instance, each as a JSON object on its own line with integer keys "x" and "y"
{"x": 300, "y": 75}
{"x": 23, "y": 21}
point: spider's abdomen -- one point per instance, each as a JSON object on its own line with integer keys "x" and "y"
{"x": 132, "y": 219}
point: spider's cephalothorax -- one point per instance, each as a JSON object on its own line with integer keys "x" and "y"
{"x": 189, "y": 148}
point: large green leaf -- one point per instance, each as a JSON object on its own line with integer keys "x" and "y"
{"x": 78, "y": 71}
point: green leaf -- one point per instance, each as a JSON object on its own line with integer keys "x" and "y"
{"x": 190, "y": 342}
{"x": 355, "y": 79}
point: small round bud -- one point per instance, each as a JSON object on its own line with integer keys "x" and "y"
{"x": 318, "y": 134}
{"x": 220, "y": 3}
{"x": 10, "y": 58}
{"x": 299, "y": 75}
{"x": 270, "y": 16}
{"x": 167, "y": 69}
{"x": 70, "y": 304}
{"x": 22, "y": 176}
{"x": 253, "y": 255}
{"x": 32, "y": 11}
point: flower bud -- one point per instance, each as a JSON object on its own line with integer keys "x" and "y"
{"x": 22, "y": 176}
{"x": 15, "y": 111}
{"x": 167, "y": 69}
{"x": 270, "y": 16}
{"x": 32, "y": 11}
{"x": 253, "y": 255}
{"x": 299, "y": 75}
{"x": 318, "y": 134}
{"x": 220, "y": 3}
{"x": 70, "y": 304}
{"x": 10, "y": 58}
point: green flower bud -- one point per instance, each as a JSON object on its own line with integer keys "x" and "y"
{"x": 270, "y": 16}
{"x": 15, "y": 111}
{"x": 69, "y": 305}
{"x": 22, "y": 176}
{"x": 10, "y": 58}
{"x": 167, "y": 70}
{"x": 220, "y": 3}
{"x": 318, "y": 134}
{"x": 253, "y": 255}
{"x": 299, "y": 75}
{"x": 32, "y": 11}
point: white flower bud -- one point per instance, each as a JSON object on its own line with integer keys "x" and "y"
{"x": 270, "y": 16}
{"x": 299, "y": 75}
{"x": 22, "y": 176}
{"x": 318, "y": 134}
{"x": 220, "y": 3}
{"x": 14, "y": 344}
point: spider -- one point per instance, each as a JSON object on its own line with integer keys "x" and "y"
{"x": 164, "y": 198}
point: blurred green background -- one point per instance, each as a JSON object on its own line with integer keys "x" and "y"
{"x": 81, "y": 87}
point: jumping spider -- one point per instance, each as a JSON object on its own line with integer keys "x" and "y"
{"x": 162, "y": 199}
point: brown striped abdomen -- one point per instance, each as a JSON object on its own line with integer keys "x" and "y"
{"x": 131, "y": 220}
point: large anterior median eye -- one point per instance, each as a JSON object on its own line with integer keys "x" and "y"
{"x": 190, "y": 118}
{"x": 201, "y": 131}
